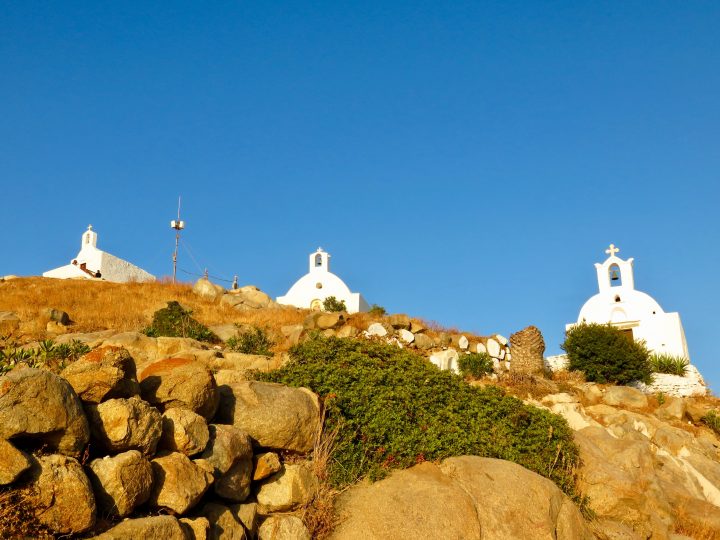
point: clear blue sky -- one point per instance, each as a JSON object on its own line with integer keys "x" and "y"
{"x": 466, "y": 162}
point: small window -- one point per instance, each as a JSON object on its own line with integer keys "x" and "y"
{"x": 318, "y": 285}
{"x": 617, "y": 298}
{"x": 318, "y": 260}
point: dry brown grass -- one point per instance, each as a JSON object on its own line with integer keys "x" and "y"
{"x": 100, "y": 305}
{"x": 17, "y": 519}
{"x": 522, "y": 385}
{"x": 694, "y": 525}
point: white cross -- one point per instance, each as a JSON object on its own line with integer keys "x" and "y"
{"x": 612, "y": 250}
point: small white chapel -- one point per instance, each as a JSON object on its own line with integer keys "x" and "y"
{"x": 93, "y": 263}
{"x": 313, "y": 288}
{"x": 630, "y": 310}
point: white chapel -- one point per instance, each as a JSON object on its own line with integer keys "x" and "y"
{"x": 313, "y": 288}
{"x": 93, "y": 263}
{"x": 630, "y": 310}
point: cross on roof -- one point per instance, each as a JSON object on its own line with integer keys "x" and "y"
{"x": 612, "y": 250}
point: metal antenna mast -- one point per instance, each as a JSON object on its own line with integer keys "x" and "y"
{"x": 178, "y": 226}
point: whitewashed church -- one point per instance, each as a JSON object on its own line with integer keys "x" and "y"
{"x": 313, "y": 288}
{"x": 630, "y": 310}
{"x": 93, "y": 263}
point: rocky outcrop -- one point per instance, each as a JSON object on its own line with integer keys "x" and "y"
{"x": 274, "y": 415}
{"x": 177, "y": 382}
{"x": 61, "y": 426}
{"x": 463, "y": 497}
{"x": 121, "y": 482}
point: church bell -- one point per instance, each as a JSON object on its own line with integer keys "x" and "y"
{"x": 614, "y": 276}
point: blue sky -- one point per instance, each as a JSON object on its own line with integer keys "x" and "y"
{"x": 466, "y": 162}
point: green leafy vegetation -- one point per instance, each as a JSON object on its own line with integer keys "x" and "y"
{"x": 46, "y": 354}
{"x": 475, "y": 364}
{"x": 668, "y": 363}
{"x": 712, "y": 420}
{"x": 176, "y": 321}
{"x": 392, "y": 409}
{"x": 377, "y": 311}
{"x": 251, "y": 341}
{"x": 333, "y": 304}
{"x": 606, "y": 355}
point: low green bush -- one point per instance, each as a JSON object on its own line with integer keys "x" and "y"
{"x": 475, "y": 364}
{"x": 606, "y": 355}
{"x": 393, "y": 409}
{"x": 251, "y": 341}
{"x": 176, "y": 321}
{"x": 712, "y": 420}
{"x": 333, "y": 304}
{"x": 377, "y": 311}
{"x": 668, "y": 363}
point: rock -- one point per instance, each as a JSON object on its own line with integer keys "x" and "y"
{"x": 377, "y": 330}
{"x": 283, "y": 528}
{"x": 247, "y": 514}
{"x": 184, "y": 431}
{"x": 57, "y": 315}
{"x": 591, "y": 393}
{"x": 443, "y": 340}
{"x": 223, "y": 523}
{"x": 417, "y": 327}
{"x": 481, "y": 348}
{"x": 178, "y": 483}
{"x": 446, "y": 360}
{"x": 63, "y": 498}
{"x": 672, "y": 409}
{"x": 406, "y": 336}
{"x": 694, "y": 409}
{"x": 502, "y": 340}
{"x": 230, "y": 376}
{"x": 247, "y": 297}
{"x": 463, "y": 343}
{"x": 294, "y": 485}
{"x": 399, "y": 321}
{"x": 146, "y": 528}
{"x": 121, "y": 482}
{"x": 528, "y": 348}
{"x": 185, "y": 348}
{"x": 327, "y": 321}
{"x": 104, "y": 373}
{"x": 241, "y": 362}
{"x": 463, "y": 497}
{"x": 175, "y": 382}
{"x": 230, "y": 453}
{"x": 9, "y": 323}
{"x": 55, "y": 328}
{"x": 265, "y": 464}
{"x": 62, "y": 424}
{"x": 195, "y": 529}
{"x": 204, "y": 288}
{"x": 493, "y": 348}
{"x": 119, "y": 425}
{"x": 347, "y": 331}
{"x": 423, "y": 341}
{"x": 626, "y": 397}
{"x": 142, "y": 348}
{"x": 274, "y": 415}
{"x": 224, "y": 331}
{"x": 13, "y": 463}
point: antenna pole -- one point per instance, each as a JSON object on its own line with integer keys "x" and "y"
{"x": 178, "y": 225}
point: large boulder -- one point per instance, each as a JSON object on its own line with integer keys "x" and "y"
{"x": 247, "y": 297}
{"x": 178, "y": 483}
{"x": 208, "y": 290}
{"x": 147, "y": 528}
{"x": 399, "y": 321}
{"x": 121, "y": 482}
{"x": 62, "y": 498}
{"x": 274, "y": 415}
{"x": 283, "y": 527}
{"x": 626, "y": 397}
{"x": 104, "y": 373}
{"x": 184, "y": 431}
{"x": 62, "y": 426}
{"x": 224, "y": 525}
{"x": 120, "y": 424}
{"x": 177, "y": 382}
{"x": 293, "y": 486}
{"x": 13, "y": 463}
{"x": 230, "y": 453}
{"x": 463, "y": 497}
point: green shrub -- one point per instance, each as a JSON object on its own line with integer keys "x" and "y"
{"x": 175, "y": 321}
{"x": 377, "y": 311}
{"x": 333, "y": 304}
{"x": 712, "y": 420}
{"x": 251, "y": 341}
{"x": 475, "y": 364}
{"x": 606, "y": 355}
{"x": 668, "y": 363}
{"x": 393, "y": 409}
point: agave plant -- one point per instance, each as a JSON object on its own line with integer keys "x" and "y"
{"x": 669, "y": 363}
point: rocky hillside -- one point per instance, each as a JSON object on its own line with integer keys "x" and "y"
{"x": 112, "y": 430}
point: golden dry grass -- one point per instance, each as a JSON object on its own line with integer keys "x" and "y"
{"x": 100, "y": 305}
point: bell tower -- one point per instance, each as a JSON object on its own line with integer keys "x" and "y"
{"x": 615, "y": 272}
{"x": 89, "y": 238}
{"x": 320, "y": 261}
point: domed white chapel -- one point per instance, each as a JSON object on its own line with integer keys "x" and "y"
{"x": 313, "y": 288}
{"x": 630, "y": 310}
